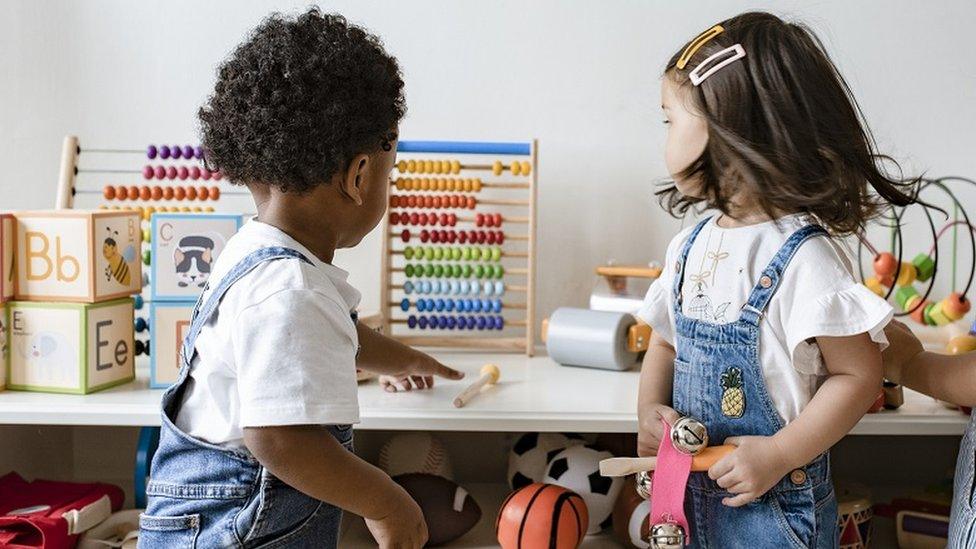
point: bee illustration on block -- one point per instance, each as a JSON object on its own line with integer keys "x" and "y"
{"x": 118, "y": 263}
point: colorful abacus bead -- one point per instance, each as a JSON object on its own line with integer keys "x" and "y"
{"x": 164, "y": 152}
{"x": 903, "y": 295}
{"x": 176, "y": 152}
{"x": 188, "y": 151}
{"x": 924, "y": 267}
{"x": 885, "y": 265}
{"x": 151, "y": 152}
{"x": 140, "y": 324}
{"x": 956, "y": 306}
{"x": 137, "y": 302}
{"x": 906, "y": 275}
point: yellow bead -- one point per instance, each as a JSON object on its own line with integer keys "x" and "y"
{"x": 526, "y": 167}
{"x": 437, "y": 166}
{"x": 939, "y": 316}
{"x": 185, "y": 209}
{"x": 210, "y": 209}
{"x": 452, "y": 185}
{"x": 874, "y": 285}
{"x": 146, "y": 235}
{"x": 442, "y": 184}
{"x": 516, "y": 168}
{"x": 496, "y": 167}
{"x": 455, "y": 167}
{"x": 950, "y": 313}
{"x": 197, "y": 209}
{"x": 103, "y": 207}
{"x": 428, "y": 166}
{"x": 476, "y": 185}
{"x": 412, "y": 166}
{"x": 912, "y": 302}
{"x": 467, "y": 185}
{"x": 399, "y": 184}
{"x": 961, "y": 344}
{"x": 907, "y": 274}
{"x": 402, "y": 166}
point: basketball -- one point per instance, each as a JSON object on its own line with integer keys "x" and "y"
{"x": 630, "y": 515}
{"x": 542, "y": 516}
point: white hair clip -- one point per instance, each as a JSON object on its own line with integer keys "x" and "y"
{"x": 736, "y": 52}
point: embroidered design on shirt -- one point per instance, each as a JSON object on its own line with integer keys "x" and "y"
{"x": 700, "y": 305}
{"x": 733, "y": 396}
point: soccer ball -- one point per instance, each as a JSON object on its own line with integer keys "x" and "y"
{"x": 578, "y": 469}
{"x": 528, "y": 459}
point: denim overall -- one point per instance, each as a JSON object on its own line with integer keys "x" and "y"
{"x": 962, "y": 523}
{"x": 801, "y": 509}
{"x": 202, "y": 495}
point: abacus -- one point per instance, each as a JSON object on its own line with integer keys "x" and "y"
{"x": 157, "y": 178}
{"x": 459, "y": 245}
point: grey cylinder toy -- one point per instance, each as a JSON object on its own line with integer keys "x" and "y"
{"x": 591, "y": 339}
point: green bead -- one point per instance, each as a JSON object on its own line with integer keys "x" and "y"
{"x": 458, "y": 271}
{"x": 428, "y": 253}
{"x": 467, "y": 270}
{"x": 146, "y": 257}
{"x": 408, "y": 270}
{"x": 479, "y": 271}
{"x": 466, "y": 253}
{"x": 925, "y": 266}
{"x": 902, "y": 295}
{"x": 499, "y": 271}
{"x": 408, "y": 253}
{"x": 496, "y": 253}
{"x": 485, "y": 254}
{"x": 927, "y": 315}
{"x": 438, "y": 270}
{"x": 429, "y": 269}
{"x": 438, "y": 253}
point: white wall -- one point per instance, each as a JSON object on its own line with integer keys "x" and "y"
{"x": 580, "y": 76}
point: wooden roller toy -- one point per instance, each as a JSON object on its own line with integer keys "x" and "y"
{"x": 621, "y": 467}
{"x": 489, "y": 376}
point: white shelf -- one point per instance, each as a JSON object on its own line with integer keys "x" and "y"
{"x": 482, "y": 536}
{"x": 533, "y": 394}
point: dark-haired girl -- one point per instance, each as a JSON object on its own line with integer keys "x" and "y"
{"x": 761, "y": 331}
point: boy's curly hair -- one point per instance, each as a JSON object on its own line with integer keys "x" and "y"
{"x": 298, "y": 99}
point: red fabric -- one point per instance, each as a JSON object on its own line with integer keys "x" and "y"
{"x": 46, "y": 527}
{"x": 670, "y": 480}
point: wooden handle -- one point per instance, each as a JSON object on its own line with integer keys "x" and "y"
{"x": 544, "y": 332}
{"x": 66, "y": 179}
{"x": 637, "y": 272}
{"x": 621, "y": 467}
{"x": 466, "y": 395}
{"x": 638, "y": 336}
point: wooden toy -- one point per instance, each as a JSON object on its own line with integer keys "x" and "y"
{"x": 854, "y": 514}
{"x": 70, "y": 348}
{"x": 77, "y": 256}
{"x": 489, "y": 376}
{"x": 622, "y": 466}
{"x": 7, "y": 226}
{"x": 168, "y": 324}
{"x": 451, "y": 272}
{"x": 183, "y": 249}
{"x": 542, "y": 516}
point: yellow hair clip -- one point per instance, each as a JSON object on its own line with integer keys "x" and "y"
{"x": 697, "y": 43}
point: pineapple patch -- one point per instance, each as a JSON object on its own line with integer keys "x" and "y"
{"x": 733, "y": 396}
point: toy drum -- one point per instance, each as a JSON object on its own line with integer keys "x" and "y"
{"x": 854, "y": 514}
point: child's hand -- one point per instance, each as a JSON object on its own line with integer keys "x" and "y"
{"x": 403, "y": 527}
{"x": 649, "y": 427}
{"x": 903, "y": 346}
{"x": 755, "y": 466}
{"x": 419, "y": 372}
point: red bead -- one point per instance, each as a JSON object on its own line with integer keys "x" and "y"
{"x": 497, "y": 218}
{"x": 918, "y": 315}
{"x": 452, "y": 219}
{"x": 147, "y": 172}
{"x": 479, "y": 220}
{"x": 412, "y": 201}
{"x": 472, "y": 202}
{"x": 414, "y": 218}
{"x": 428, "y": 201}
{"x": 462, "y": 237}
{"x": 426, "y": 219}
{"x": 122, "y": 192}
{"x": 424, "y": 235}
{"x": 499, "y": 237}
{"x": 167, "y": 193}
{"x": 182, "y": 173}
{"x": 191, "y": 193}
{"x": 133, "y": 192}
{"x": 435, "y": 237}
{"x": 452, "y": 237}
{"x": 159, "y": 172}
{"x": 171, "y": 172}
{"x": 394, "y": 218}
{"x": 218, "y": 176}
{"x": 444, "y": 220}
{"x": 194, "y": 173}
{"x": 885, "y": 264}
{"x": 179, "y": 193}
{"x": 445, "y": 235}
{"x": 482, "y": 237}
{"x": 108, "y": 192}
{"x": 438, "y": 202}
{"x": 205, "y": 175}
{"x": 214, "y": 193}
{"x": 157, "y": 192}
{"x": 958, "y": 304}
{"x": 490, "y": 237}
{"x": 405, "y": 235}
{"x": 145, "y": 193}
{"x": 203, "y": 193}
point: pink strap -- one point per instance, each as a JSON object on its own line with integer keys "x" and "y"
{"x": 670, "y": 480}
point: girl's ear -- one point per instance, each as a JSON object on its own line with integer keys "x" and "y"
{"x": 353, "y": 185}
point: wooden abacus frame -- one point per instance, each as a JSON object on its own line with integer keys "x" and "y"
{"x": 393, "y": 246}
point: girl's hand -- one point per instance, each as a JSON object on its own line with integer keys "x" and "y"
{"x": 419, "y": 372}
{"x": 403, "y": 527}
{"x": 903, "y": 346}
{"x": 649, "y": 426}
{"x": 755, "y": 466}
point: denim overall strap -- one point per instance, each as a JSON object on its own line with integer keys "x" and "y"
{"x": 771, "y": 276}
{"x": 679, "y": 264}
{"x": 202, "y": 313}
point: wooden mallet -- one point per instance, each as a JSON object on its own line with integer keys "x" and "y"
{"x": 621, "y": 467}
{"x": 489, "y": 376}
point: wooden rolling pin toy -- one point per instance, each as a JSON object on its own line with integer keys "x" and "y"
{"x": 489, "y": 376}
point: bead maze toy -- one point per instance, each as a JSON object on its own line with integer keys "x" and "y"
{"x": 458, "y": 241}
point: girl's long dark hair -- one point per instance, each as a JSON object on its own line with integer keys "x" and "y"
{"x": 784, "y": 127}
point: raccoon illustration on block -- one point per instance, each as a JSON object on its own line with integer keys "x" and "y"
{"x": 193, "y": 257}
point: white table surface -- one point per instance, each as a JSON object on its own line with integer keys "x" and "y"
{"x": 533, "y": 394}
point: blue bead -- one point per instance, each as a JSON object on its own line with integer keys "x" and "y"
{"x": 430, "y": 304}
{"x": 140, "y": 324}
{"x": 499, "y": 323}
{"x": 455, "y": 287}
{"x": 408, "y": 287}
{"x": 405, "y": 305}
{"x": 451, "y": 323}
{"x": 422, "y": 322}
{"x": 439, "y": 305}
{"x": 448, "y": 305}
{"x": 463, "y": 287}
{"x": 497, "y": 306}
{"x": 426, "y": 287}
{"x": 481, "y": 322}
{"x": 137, "y": 302}
{"x": 476, "y": 305}
{"x": 499, "y": 287}
{"x": 442, "y": 322}
{"x": 411, "y": 321}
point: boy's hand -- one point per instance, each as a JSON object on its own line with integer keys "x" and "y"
{"x": 420, "y": 370}
{"x": 903, "y": 346}
{"x": 649, "y": 427}
{"x": 755, "y": 466}
{"x": 403, "y": 527}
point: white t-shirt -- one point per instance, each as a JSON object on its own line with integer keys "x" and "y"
{"x": 280, "y": 350}
{"x": 818, "y": 296}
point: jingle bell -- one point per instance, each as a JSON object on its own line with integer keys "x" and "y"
{"x": 643, "y": 484}
{"x": 667, "y": 535}
{"x": 689, "y": 436}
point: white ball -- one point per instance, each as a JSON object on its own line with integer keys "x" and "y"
{"x": 529, "y": 456}
{"x": 578, "y": 469}
{"x": 415, "y": 453}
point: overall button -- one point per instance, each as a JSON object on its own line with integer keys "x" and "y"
{"x": 765, "y": 281}
{"x": 798, "y": 476}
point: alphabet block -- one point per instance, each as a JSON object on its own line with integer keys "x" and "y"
{"x": 168, "y": 324}
{"x": 70, "y": 347}
{"x": 4, "y": 349}
{"x": 184, "y": 247}
{"x": 77, "y": 256}
{"x": 7, "y": 225}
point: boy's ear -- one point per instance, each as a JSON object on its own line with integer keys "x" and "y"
{"x": 353, "y": 185}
